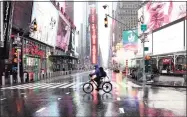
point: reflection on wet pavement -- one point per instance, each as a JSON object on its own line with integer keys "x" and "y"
{"x": 126, "y": 99}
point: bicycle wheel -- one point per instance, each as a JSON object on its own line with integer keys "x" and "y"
{"x": 107, "y": 87}
{"x": 87, "y": 87}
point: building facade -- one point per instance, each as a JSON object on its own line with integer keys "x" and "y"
{"x": 46, "y": 49}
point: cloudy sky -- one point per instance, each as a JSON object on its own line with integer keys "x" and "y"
{"x": 103, "y": 33}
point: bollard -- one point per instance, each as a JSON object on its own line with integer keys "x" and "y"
{"x": 3, "y": 80}
{"x": 24, "y": 77}
{"x": 11, "y": 79}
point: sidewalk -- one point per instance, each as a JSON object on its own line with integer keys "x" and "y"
{"x": 51, "y": 78}
{"x": 165, "y": 81}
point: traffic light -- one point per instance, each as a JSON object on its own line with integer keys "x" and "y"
{"x": 106, "y": 22}
{"x": 35, "y": 26}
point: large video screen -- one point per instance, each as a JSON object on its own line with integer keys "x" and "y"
{"x": 169, "y": 39}
{"x": 63, "y": 35}
{"x": 158, "y": 14}
{"x": 46, "y": 16}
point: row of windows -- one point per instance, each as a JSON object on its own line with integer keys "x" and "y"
{"x": 128, "y": 4}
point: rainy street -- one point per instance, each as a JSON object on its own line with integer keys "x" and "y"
{"x": 64, "y": 97}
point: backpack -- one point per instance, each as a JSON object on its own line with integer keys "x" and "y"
{"x": 103, "y": 73}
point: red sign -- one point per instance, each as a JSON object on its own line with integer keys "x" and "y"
{"x": 93, "y": 31}
{"x": 34, "y": 50}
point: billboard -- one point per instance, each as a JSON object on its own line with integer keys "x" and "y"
{"x": 94, "y": 35}
{"x": 158, "y": 14}
{"x": 46, "y": 17}
{"x": 130, "y": 40}
{"x": 169, "y": 39}
{"x": 63, "y": 35}
{"x": 22, "y": 14}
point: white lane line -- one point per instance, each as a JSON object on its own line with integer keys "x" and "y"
{"x": 66, "y": 86}
{"x": 121, "y": 110}
{"x": 58, "y": 85}
{"x": 40, "y": 110}
{"x": 3, "y": 99}
{"x": 68, "y": 93}
{"x": 118, "y": 99}
{"x": 133, "y": 85}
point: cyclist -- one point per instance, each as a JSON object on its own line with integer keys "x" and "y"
{"x": 98, "y": 76}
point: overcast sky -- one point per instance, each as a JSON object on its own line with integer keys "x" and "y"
{"x": 103, "y": 33}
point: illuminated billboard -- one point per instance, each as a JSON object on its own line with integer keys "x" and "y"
{"x": 169, "y": 39}
{"x": 130, "y": 40}
{"x": 63, "y": 35}
{"x": 94, "y": 36}
{"x": 46, "y": 17}
{"x": 158, "y": 14}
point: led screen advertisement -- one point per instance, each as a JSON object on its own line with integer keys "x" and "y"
{"x": 158, "y": 14}
{"x": 130, "y": 39}
{"x": 46, "y": 17}
{"x": 169, "y": 39}
{"x": 94, "y": 36}
{"x": 63, "y": 35}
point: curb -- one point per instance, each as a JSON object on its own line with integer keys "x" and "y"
{"x": 157, "y": 85}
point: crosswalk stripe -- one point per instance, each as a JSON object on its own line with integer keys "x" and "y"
{"x": 58, "y": 85}
{"x": 41, "y": 85}
{"x": 19, "y": 86}
{"x": 67, "y": 85}
{"x": 11, "y": 87}
{"x": 48, "y": 85}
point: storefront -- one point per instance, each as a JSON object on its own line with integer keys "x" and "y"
{"x": 35, "y": 58}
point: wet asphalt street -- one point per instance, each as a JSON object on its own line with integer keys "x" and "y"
{"x": 64, "y": 97}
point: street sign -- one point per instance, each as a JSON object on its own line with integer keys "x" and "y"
{"x": 143, "y": 27}
{"x": 146, "y": 48}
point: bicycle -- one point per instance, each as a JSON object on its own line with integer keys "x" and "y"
{"x": 106, "y": 85}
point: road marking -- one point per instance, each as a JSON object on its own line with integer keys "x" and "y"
{"x": 66, "y": 86}
{"x": 40, "y": 110}
{"x": 59, "y": 98}
{"x": 68, "y": 93}
{"x": 46, "y": 86}
{"x": 118, "y": 99}
{"x": 133, "y": 85}
{"x": 3, "y": 99}
{"x": 77, "y": 85}
{"x": 121, "y": 110}
{"x": 39, "y": 85}
{"x": 58, "y": 85}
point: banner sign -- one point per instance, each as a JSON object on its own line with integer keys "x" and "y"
{"x": 130, "y": 40}
{"x": 93, "y": 32}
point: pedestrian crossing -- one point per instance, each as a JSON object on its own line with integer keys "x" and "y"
{"x": 65, "y": 85}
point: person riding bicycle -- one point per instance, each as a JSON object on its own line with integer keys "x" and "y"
{"x": 99, "y": 72}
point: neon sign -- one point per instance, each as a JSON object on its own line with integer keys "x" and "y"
{"x": 93, "y": 31}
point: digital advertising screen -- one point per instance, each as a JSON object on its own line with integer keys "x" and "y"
{"x": 46, "y": 16}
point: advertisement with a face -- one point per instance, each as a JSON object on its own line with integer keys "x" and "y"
{"x": 169, "y": 39}
{"x": 46, "y": 17}
{"x": 63, "y": 35}
{"x": 158, "y": 14}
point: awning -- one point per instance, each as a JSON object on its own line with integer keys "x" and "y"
{"x": 63, "y": 56}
